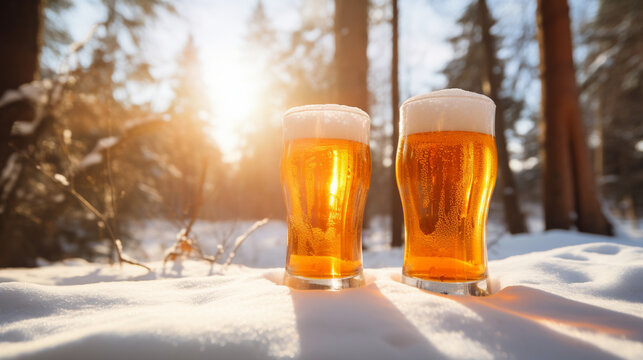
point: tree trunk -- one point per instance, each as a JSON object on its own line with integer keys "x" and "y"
{"x": 396, "y": 202}
{"x": 557, "y": 176}
{"x": 20, "y": 49}
{"x": 569, "y": 179}
{"x": 514, "y": 219}
{"x": 351, "y": 61}
{"x": 20, "y": 23}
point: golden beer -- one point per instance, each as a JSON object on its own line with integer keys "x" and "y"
{"x": 325, "y": 176}
{"x": 446, "y": 179}
{"x": 446, "y": 171}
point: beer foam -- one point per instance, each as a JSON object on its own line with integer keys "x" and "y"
{"x": 447, "y": 110}
{"x": 327, "y": 121}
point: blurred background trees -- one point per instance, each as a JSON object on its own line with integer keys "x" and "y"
{"x": 93, "y": 117}
{"x": 612, "y": 89}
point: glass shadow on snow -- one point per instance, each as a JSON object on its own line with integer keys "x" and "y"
{"x": 358, "y": 323}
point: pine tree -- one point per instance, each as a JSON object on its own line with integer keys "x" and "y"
{"x": 189, "y": 143}
{"x": 306, "y": 69}
{"x": 478, "y": 69}
{"x": 258, "y": 192}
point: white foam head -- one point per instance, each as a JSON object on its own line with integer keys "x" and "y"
{"x": 326, "y": 122}
{"x": 447, "y": 110}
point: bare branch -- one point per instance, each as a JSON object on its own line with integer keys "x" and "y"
{"x": 198, "y": 197}
{"x": 220, "y": 250}
{"x": 65, "y": 186}
{"x": 112, "y": 143}
{"x": 186, "y": 245}
{"x": 243, "y": 237}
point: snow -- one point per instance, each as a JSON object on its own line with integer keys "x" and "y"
{"x": 557, "y": 295}
{"x": 10, "y": 96}
{"x": 8, "y": 178}
{"x": 95, "y": 156}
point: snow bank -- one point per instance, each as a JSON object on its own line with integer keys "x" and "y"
{"x": 581, "y": 300}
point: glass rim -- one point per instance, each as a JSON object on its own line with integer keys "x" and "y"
{"x": 327, "y": 107}
{"x": 447, "y": 93}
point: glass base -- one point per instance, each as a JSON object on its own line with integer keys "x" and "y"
{"x": 303, "y": 283}
{"x": 474, "y": 288}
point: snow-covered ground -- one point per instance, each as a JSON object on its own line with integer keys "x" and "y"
{"x": 557, "y": 295}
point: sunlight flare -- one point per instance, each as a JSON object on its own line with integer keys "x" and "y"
{"x": 234, "y": 87}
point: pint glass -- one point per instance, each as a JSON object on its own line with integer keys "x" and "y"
{"x": 446, "y": 170}
{"x": 325, "y": 175}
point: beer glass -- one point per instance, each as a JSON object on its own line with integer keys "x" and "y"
{"x": 325, "y": 176}
{"x": 446, "y": 170}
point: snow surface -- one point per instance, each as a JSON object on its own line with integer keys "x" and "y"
{"x": 557, "y": 295}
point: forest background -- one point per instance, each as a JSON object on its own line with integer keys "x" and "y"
{"x": 114, "y": 111}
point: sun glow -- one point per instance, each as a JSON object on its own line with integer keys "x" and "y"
{"x": 234, "y": 87}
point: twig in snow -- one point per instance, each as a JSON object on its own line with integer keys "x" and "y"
{"x": 186, "y": 245}
{"x": 243, "y": 237}
{"x": 223, "y": 235}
